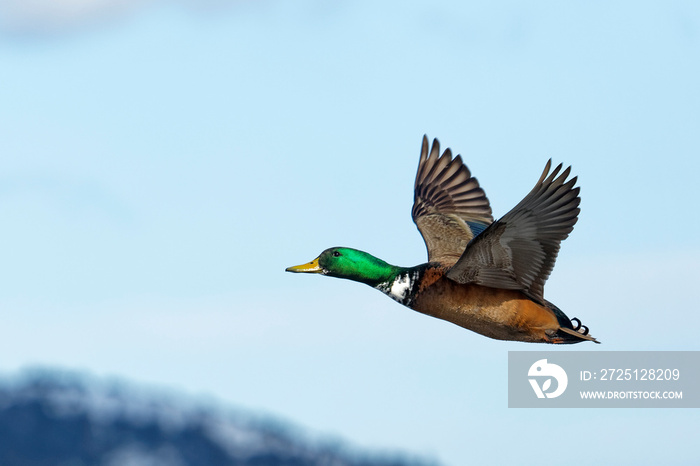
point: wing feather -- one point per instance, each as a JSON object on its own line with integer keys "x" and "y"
{"x": 449, "y": 206}
{"x": 519, "y": 250}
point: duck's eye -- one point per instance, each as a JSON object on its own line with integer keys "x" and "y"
{"x": 336, "y": 254}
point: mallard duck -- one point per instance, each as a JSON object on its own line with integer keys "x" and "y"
{"x": 482, "y": 275}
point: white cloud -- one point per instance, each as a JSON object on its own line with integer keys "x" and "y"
{"x": 50, "y": 16}
{"x": 36, "y": 17}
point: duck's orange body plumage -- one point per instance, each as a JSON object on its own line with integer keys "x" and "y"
{"x": 495, "y": 313}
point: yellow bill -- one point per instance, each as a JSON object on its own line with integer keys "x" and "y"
{"x": 311, "y": 267}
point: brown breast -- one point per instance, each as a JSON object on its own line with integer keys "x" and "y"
{"x": 495, "y": 313}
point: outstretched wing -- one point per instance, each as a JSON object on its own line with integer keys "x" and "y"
{"x": 449, "y": 207}
{"x": 519, "y": 250}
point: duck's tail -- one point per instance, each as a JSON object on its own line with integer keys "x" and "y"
{"x": 570, "y": 331}
{"x": 573, "y": 335}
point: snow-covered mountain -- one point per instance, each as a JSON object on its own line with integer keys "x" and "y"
{"x": 55, "y": 418}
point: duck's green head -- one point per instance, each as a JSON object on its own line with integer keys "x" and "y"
{"x": 350, "y": 264}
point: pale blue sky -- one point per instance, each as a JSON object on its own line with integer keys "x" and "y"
{"x": 163, "y": 163}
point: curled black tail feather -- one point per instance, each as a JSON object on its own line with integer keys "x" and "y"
{"x": 570, "y": 331}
